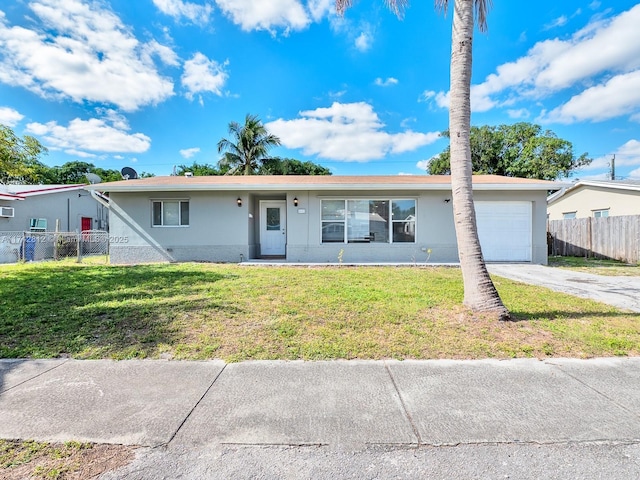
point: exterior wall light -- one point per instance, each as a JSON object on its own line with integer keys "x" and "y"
{"x": 239, "y": 201}
{"x": 295, "y": 201}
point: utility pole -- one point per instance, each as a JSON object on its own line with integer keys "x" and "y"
{"x": 613, "y": 167}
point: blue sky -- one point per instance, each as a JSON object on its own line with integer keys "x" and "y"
{"x": 154, "y": 83}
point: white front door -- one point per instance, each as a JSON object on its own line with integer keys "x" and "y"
{"x": 273, "y": 227}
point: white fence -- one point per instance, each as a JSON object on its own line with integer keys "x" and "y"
{"x": 37, "y": 246}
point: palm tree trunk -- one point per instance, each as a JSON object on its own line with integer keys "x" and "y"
{"x": 479, "y": 292}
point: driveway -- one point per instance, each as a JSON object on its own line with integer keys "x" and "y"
{"x": 621, "y": 292}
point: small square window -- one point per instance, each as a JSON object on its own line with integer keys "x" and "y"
{"x": 38, "y": 224}
{"x": 600, "y": 213}
{"x": 569, "y": 215}
{"x": 170, "y": 213}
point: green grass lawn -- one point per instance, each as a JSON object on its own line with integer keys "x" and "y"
{"x": 204, "y": 311}
{"x": 596, "y": 266}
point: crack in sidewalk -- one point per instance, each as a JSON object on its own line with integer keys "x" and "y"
{"x": 192, "y": 409}
{"x": 404, "y": 406}
{"x": 34, "y": 377}
{"x": 625, "y": 408}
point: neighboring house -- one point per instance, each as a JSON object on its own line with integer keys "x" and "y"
{"x": 319, "y": 218}
{"x": 591, "y": 198}
{"x": 39, "y": 207}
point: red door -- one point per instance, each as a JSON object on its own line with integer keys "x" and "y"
{"x": 86, "y": 224}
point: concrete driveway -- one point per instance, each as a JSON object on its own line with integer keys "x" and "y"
{"x": 621, "y": 292}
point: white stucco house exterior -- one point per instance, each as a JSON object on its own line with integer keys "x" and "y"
{"x": 319, "y": 218}
{"x": 595, "y": 199}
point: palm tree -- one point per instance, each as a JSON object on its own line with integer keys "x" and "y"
{"x": 248, "y": 148}
{"x": 480, "y": 295}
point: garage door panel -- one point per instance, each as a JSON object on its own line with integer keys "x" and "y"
{"x": 505, "y": 230}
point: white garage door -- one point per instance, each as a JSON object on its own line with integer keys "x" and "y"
{"x": 504, "y": 229}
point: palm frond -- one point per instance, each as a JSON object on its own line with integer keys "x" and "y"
{"x": 342, "y": 5}
{"x": 397, "y": 6}
{"x": 482, "y": 8}
{"x": 441, "y": 5}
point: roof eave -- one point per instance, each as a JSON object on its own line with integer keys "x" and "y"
{"x": 322, "y": 187}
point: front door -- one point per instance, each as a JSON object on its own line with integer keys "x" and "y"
{"x": 85, "y": 224}
{"x": 273, "y": 225}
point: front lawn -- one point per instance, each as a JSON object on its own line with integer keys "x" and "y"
{"x": 596, "y": 266}
{"x": 204, "y": 311}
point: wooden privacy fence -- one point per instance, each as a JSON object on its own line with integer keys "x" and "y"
{"x": 616, "y": 238}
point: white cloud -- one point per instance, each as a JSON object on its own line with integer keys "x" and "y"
{"x": 9, "y": 116}
{"x": 350, "y": 132}
{"x": 79, "y": 153}
{"x": 619, "y": 96}
{"x": 268, "y": 15}
{"x": 321, "y": 8}
{"x": 520, "y": 113}
{"x": 558, "y": 22}
{"x": 385, "y": 83}
{"x": 635, "y": 174}
{"x": 595, "y": 55}
{"x": 93, "y": 135}
{"x": 189, "y": 152}
{"x": 177, "y": 9}
{"x": 203, "y": 75}
{"x": 628, "y": 155}
{"x": 364, "y": 41}
{"x": 423, "y": 164}
{"x": 81, "y": 51}
{"x": 164, "y": 53}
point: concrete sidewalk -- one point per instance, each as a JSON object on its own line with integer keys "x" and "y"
{"x": 336, "y": 403}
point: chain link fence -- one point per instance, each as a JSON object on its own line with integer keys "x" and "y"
{"x": 37, "y": 246}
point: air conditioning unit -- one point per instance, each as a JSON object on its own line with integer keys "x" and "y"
{"x": 6, "y": 211}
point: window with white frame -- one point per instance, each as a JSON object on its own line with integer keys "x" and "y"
{"x": 369, "y": 221}
{"x": 37, "y": 224}
{"x": 568, "y": 215}
{"x": 601, "y": 213}
{"x": 170, "y": 213}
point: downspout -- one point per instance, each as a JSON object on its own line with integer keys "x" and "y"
{"x": 100, "y": 198}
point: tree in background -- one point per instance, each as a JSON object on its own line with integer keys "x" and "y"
{"x": 248, "y": 147}
{"x": 480, "y": 294}
{"x": 291, "y": 166}
{"x": 519, "y": 150}
{"x": 19, "y": 163}
{"x": 19, "y": 157}
{"x": 198, "y": 169}
{"x": 269, "y": 166}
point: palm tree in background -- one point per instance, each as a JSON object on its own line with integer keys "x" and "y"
{"x": 480, "y": 295}
{"x": 247, "y": 149}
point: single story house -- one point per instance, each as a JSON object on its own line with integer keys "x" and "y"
{"x": 595, "y": 199}
{"x": 40, "y": 207}
{"x": 318, "y": 218}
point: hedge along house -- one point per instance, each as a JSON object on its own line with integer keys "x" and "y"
{"x": 319, "y": 218}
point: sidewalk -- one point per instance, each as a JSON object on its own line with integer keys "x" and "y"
{"x": 337, "y": 403}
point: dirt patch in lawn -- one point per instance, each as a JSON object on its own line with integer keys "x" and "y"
{"x": 71, "y": 460}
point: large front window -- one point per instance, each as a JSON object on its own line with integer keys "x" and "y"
{"x": 367, "y": 221}
{"x": 170, "y": 213}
